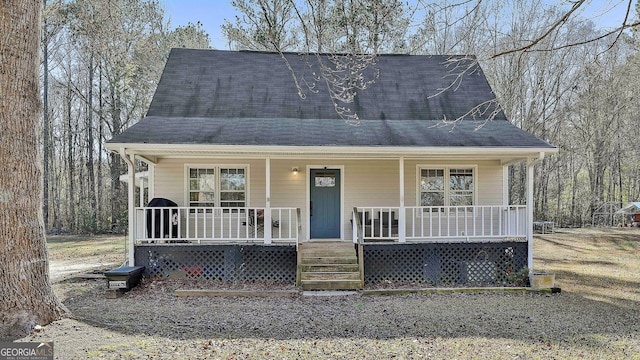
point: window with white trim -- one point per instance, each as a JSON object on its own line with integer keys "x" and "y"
{"x": 217, "y": 186}
{"x": 457, "y": 191}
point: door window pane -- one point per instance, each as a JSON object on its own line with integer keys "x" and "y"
{"x": 325, "y": 180}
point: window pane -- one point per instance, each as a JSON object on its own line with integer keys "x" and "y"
{"x": 232, "y": 179}
{"x": 231, "y": 204}
{"x": 432, "y": 199}
{"x": 325, "y": 180}
{"x": 202, "y": 184}
{"x": 461, "y": 179}
{"x": 232, "y": 187}
{"x": 207, "y": 182}
{"x": 432, "y": 180}
{"x": 207, "y": 196}
{"x": 232, "y": 196}
{"x": 461, "y": 187}
{"x": 461, "y": 200}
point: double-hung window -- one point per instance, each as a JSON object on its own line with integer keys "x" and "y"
{"x": 447, "y": 186}
{"x": 217, "y": 186}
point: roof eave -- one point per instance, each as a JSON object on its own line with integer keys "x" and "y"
{"x": 352, "y": 151}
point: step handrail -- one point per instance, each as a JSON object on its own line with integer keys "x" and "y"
{"x": 357, "y": 225}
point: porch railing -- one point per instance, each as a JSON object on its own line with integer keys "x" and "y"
{"x": 215, "y": 224}
{"x": 451, "y": 223}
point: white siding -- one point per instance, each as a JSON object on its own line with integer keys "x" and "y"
{"x": 490, "y": 183}
{"x": 169, "y": 178}
{"x": 366, "y": 182}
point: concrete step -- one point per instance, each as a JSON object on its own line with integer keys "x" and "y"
{"x": 330, "y": 275}
{"x": 328, "y": 248}
{"x": 306, "y": 254}
{"x": 328, "y": 244}
{"x": 331, "y": 284}
{"x": 351, "y": 267}
{"x": 329, "y": 260}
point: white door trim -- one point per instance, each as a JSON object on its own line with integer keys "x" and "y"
{"x": 308, "y": 196}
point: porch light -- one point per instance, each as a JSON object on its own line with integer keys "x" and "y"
{"x": 294, "y": 170}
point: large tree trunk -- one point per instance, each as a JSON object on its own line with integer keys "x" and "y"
{"x": 27, "y": 297}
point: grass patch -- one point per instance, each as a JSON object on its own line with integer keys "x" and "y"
{"x": 600, "y": 264}
{"x": 65, "y": 247}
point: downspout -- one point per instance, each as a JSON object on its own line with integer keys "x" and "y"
{"x": 531, "y": 162}
{"x": 130, "y": 203}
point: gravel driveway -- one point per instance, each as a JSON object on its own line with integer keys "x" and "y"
{"x": 597, "y": 315}
{"x": 151, "y": 322}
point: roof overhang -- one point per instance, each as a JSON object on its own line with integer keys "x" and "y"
{"x": 151, "y": 153}
{"x": 141, "y": 178}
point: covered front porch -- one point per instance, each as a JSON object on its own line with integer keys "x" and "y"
{"x": 437, "y": 246}
{"x": 228, "y": 206}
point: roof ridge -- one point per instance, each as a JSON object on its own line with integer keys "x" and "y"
{"x": 251, "y": 51}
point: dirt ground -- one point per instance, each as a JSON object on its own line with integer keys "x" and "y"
{"x": 597, "y": 315}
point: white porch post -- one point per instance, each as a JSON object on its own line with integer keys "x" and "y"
{"x": 141, "y": 191}
{"x": 131, "y": 172}
{"x": 530, "y": 165}
{"x": 505, "y": 185}
{"x": 150, "y": 182}
{"x": 531, "y": 162}
{"x": 267, "y": 211}
{"x": 402, "y": 215}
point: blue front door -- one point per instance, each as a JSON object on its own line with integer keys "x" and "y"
{"x": 324, "y": 209}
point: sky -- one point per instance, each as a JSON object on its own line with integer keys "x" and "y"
{"x": 212, "y": 13}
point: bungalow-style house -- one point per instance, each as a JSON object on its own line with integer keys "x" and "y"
{"x": 252, "y": 181}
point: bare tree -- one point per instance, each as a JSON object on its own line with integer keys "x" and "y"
{"x": 191, "y": 36}
{"x": 555, "y": 73}
{"x": 28, "y": 299}
{"x": 101, "y": 62}
{"x": 262, "y": 25}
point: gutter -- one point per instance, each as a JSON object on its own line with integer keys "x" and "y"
{"x": 353, "y": 151}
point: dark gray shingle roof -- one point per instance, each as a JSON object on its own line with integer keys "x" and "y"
{"x": 249, "y": 98}
{"x": 312, "y": 132}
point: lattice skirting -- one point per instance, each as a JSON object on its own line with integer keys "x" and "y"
{"x": 479, "y": 264}
{"x": 219, "y": 262}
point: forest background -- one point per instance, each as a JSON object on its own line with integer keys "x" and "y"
{"x": 556, "y": 74}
